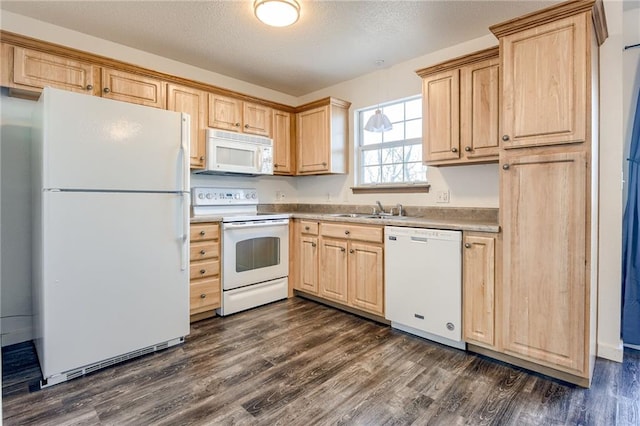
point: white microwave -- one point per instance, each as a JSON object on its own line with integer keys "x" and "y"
{"x": 238, "y": 153}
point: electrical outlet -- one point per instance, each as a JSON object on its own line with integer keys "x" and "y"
{"x": 442, "y": 197}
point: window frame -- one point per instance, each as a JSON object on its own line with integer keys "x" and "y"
{"x": 360, "y": 149}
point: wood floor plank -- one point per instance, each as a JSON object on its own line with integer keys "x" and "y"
{"x": 297, "y": 362}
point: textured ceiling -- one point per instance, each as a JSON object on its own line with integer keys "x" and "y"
{"x": 333, "y": 41}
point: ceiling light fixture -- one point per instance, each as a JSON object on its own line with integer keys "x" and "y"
{"x": 378, "y": 122}
{"x": 277, "y": 13}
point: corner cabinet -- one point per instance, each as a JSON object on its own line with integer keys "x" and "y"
{"x": 323, "y": 137}
{"x": 193, "y": 102}
{"x": 283, "y": 149}
{"x": 204, "y": 270}
{"x": 548, "y": 188}
{"x": 461, "y": 110}
{"x": 307, "y": 256}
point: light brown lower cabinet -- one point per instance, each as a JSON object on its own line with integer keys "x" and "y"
{"x": 479, "y": 271}
{"x": 341, "y": 263}
{"x": 204, "y": 270}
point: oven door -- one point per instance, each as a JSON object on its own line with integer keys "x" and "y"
{"x": 254, "y": 252}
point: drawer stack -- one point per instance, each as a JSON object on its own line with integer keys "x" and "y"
{"x": 204, "y": 267}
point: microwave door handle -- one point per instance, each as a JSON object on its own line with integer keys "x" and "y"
{"x": 258, "y": 159}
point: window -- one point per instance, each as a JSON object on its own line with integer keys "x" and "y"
{"x": 393, "y": 157}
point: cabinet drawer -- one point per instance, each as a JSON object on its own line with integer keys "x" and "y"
{"x": 308, "y": 227}
{"x": 204, "y": 268}
{"x": 204, "y": 295}
{"x": 204, "y": 231}
{"x": 204, "y": 250}
{"x": 352, "y": 232}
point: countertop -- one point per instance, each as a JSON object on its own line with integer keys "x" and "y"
{"x": 407, "y": 221}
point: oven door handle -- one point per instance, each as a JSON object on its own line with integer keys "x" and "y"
{"x": 255, "y": 224}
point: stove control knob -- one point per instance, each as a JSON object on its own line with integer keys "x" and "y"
{"x": 254, "y": 195}
{"x": 237, "y": 196}
{"x": 209, "y": 196}
{"x": 201, "y": 195}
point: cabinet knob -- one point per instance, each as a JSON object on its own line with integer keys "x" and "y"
{"x": 202, "y": 296}
{"x": 351, "y": 251}
{"x": 467, "y": 245}
{"x": 505, "y": 138}
{"x": 202, "y": 252}
{"x": 306, "y": 228}
{"x": 347, "y": 232}
{"x": 106, "y": 90}
{"x": 467, "y": 148}
{"x": 237, "y": 124}
{"x": 454, "y": 149}
{"x": 202, "y": 158}
{"x": 202, "y": 271}
{"x": 324, "y": 164}
{"x": 276, "y": 165}
{"x": 202, "y": 233}
{"x": 246, "y": 126}
{"x": 505, "y": 166}
{"x": 342, "y": 249}
{"x": 89, "y": 86}
{"x": 313, "y": 244}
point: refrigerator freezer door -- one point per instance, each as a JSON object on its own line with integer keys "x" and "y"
{"x": 92, "y": 143}
{"x": 112, "y": 281}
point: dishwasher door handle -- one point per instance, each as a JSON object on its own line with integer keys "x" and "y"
{"x": 420, "y": 239}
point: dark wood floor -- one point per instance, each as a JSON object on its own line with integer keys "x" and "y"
{"x": 296, "y": 362}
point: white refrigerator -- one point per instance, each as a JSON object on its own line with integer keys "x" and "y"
{"x": 111, "y": 225}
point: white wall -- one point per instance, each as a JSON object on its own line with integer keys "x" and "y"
{"x": 15, "y": 220}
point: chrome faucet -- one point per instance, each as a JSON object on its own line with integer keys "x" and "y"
{"x": 399, "y": 208}
{"x": 380, "y": 206}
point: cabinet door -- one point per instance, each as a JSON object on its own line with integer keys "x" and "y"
{"x": 194, "y": 103}
{"x": 479, "y": 289}
{"x": 133, "y": 88}
{"x": 282, "y": 158}
{"x": 479, "y": 109}
{"x": 333, "y": 264}
{"x": 225, "y": 113}
{"x": 256, "y": 119}
{"x": 440, "y": 116}
{"x": 544, "y": 83}
{"x": 313, "y": 140}
{"x": 366, "y": 277}
{"x": 545, "y": 289}
{"x": 38, "y": 69}
{"x": 308, "y": 280}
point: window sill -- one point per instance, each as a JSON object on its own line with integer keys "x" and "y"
{"x": 386, "y": 189}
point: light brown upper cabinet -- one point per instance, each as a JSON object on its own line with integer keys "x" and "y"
{"x": 323, "y": 132}
{"x": 545, "y": 83}
{"x": 237, "y": 116}
{"x": 133, "y": 88}
{"x": 283, "y": 163}
{"x": 32, "y": 70}
{"x": 193, "y": 102}
{"x": 460, "y": 110}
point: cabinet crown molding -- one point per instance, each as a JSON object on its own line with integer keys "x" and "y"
{"x": 324, "y": 102}
{"x": 460, "y": 61}
{"x": 553, "y": 13}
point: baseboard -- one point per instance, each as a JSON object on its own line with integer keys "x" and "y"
{"x": 630, "y": 346}
{"x": 611, "y": 352}
{"x": 16, "y": 336}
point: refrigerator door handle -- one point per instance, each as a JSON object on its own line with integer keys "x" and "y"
{"x": 184, "y": 252}
{"x": 185, "y": 143}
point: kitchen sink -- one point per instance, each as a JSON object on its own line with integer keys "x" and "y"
{"x": 367, "y": 216}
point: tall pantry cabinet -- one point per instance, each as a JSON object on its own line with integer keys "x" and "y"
{"x": 548, "y": 186}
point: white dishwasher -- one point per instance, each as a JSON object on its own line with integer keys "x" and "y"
{"x": 423, "y": 283}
